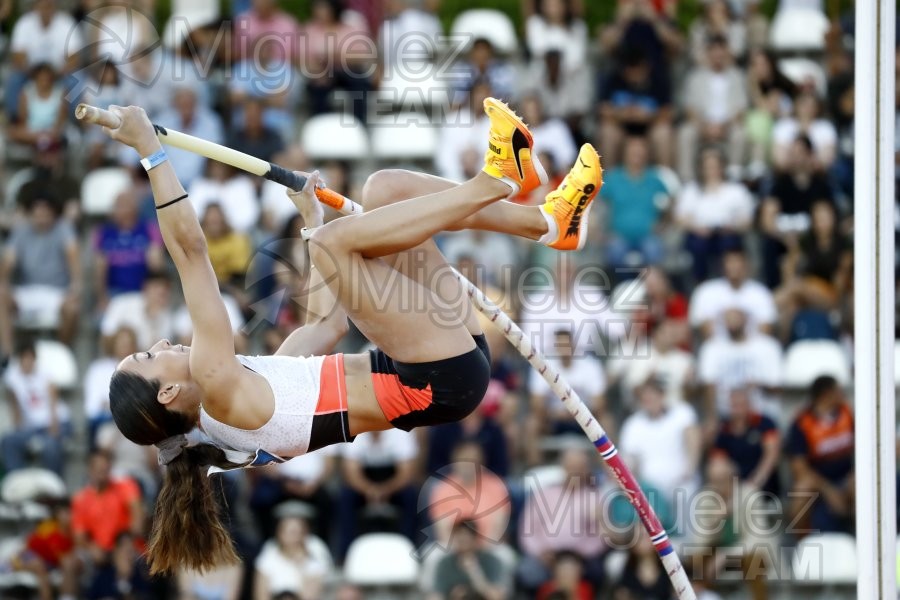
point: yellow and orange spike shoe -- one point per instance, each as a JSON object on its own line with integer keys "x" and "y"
{"x": 566, "y": 208}
{"x": 508, "y": 157}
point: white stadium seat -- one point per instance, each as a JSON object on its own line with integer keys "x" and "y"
{"x": 543, "y": 477}
{"x": 25, "y": 485}
{"x": 798, "y": 30}
{"x": 335, "y": 136}
{"x": 803, "y": 71}
{"x": 57, "y": 362}
{"x": 100, "y": 188}
{"x": 381, "y": 559}
{"x": 489, "y": 24}
{"x": 825, "y": 559}
{"x": 188, "y": 15}
{"x": 807, "y": 359}
{"x": 404, "y": 136}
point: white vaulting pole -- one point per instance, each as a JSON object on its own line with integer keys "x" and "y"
{"x": 874, "y": 300}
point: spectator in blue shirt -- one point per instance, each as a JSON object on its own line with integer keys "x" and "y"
{"x": 636, "y": 197}
{"x": 126, "y": 247}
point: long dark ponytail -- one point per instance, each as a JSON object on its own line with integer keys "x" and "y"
{"x": 187, "y": 530}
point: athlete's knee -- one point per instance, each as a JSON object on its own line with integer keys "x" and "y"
{"x": 328, "y": 241}
{"x": 386, "y": 187}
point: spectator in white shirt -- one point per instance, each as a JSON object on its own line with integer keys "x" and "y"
{"x": 665, "y": 362}
{"x": 734, "y": 290}
{"x": 552, "y": 135}
{"x": 230, "y": 189}
{"x": 378, "y": 469}
{"x": 663, "y": 446}
{"x": 38, "y": 417}
{"x": 554, "y": 24}
{"x": 808, "y": 121}
{"x": 122, "y": 343}
{"x": 739, "y": 359}
{"x": 548, "y": 415}
{"x": 714, "y": 213}
{"x": 149, "y": 312}
{"x": 463, "y": 138}
{"x": 44, "y": 34}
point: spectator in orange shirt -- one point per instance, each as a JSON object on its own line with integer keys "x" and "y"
{"x": 104, "y": 509}
{"x": 470, "y": 492}
{"x": 820, "y": 447}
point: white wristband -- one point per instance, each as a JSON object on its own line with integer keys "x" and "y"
{"x": 154, "y": 160}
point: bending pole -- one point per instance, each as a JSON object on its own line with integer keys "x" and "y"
{"x": 577, "y": 408}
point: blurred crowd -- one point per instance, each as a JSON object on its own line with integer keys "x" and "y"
{"x": 708, "y": 323}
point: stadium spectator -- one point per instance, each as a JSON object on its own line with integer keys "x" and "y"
{"x": 556, "y": 25}
{"x": 635, "y": 103}
{"x": 806, "y": 121}
{"x": 122, "y": 343}
{"x": 126, "y": 248}
{"x": 818, "y": 273}
{"x": 187, "y": 115}
{"x": 786, "y": 209}
{"x": 266, "y": 20}
{"x": 548, "y": 416}
{"x": 467, "y": 491}
{"x": 407, "y": 20}
{"x": 568, "y": 580}
{"x": 292, "y": 561}
{"x": 105, "y": 89}
{"x": 302, "y": 479}
{"x": 42, "y": 112}
{"x": 663, "y": 446}
{"x": 149, "y": 82}
{"x": 50, "y": 178}
{"x": 469, "y": 570}
{"x": 665, "y": 362}
{"x": 494, "y": 254}
{"x": 105, "y": 509}
{"x": 637, "y": 199}
{"x": 643, "y": 577}
{"x": 771, "y": 97}
{"x": 482, "y": 63}
{"x": 751, "y": 441}
{"x": 661, "y": 302}
{"x": 742, "y": 358}
{"x": 40, "y": 275}
{"x": 560, "y": 518}
{"x": 565, "y": 95}
{"x": 123, "y": 569}
{"x": 638, "y": 24}
{"x": 49, "y": 553}
{"x": 269, "y": 80}
{"x": 477, "y": 426}
{"x": 461, "y": 138}
{"x": 232, "y": 190}
{"x": 714, "y": 213}
{"x": 715, "y": 101}
{"x": 717, "y": 19}
{"x": 39, "y": 418}
{"x": 43, "y": 34}
{"x": 718, "y": 533}
{"x": 552, "y": 136}
{"x": 255, "y": 137}
{"x": 820, "y": 448}
{"x": 229, "y": 251}
{"x": 378, "y": 469}
{"x": 337, "y": 54}
{"x": 711, "y": 299}
{"x": 184, "y": 328}
{"x": 148, "y": 313}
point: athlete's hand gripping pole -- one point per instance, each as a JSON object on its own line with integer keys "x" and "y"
{"x": 229, "y": 156}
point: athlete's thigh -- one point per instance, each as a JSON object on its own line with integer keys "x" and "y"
{"x": 406, "y": 319}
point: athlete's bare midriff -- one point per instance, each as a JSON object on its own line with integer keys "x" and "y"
{"x": 362, "y": 407}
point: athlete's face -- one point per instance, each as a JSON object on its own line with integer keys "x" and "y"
{"x": 162, "y": 362}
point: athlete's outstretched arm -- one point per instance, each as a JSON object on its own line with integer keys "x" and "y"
{"x": 212, "y": 350}
{"x": 326, "y": 320}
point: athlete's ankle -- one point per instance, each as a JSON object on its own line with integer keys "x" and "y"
{"x": 493, "y": 188}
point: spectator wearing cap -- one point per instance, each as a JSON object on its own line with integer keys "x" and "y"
{"x": 735, "y": 289}
{"x": 126, "y": 248}
{"x": 563, "y": 517}
{"x": 741, "y": 359}
{"x": 634, "y": 103}
{"x": 38, "y": 416}
{"x": 293, "y": 561}
{"x": 548, "y": 416}
{"x": 714, "y": 213}
{"x": 469, "y": 570}
{"x": 820, "y": 446}
{"x": 786, "y": 210}
{"x": 40, "y": 273}
{"x": 378, "y": 468}
{"x": 663, "y": 446}
{"x": 637, "y": 199}
{"x": 715, "y": 100}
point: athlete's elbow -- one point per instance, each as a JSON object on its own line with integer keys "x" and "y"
{"x": 192, "y": 246}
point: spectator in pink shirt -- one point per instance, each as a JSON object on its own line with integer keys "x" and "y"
{"x": 266, "y": 20}
{"x": 563, "y": 517}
